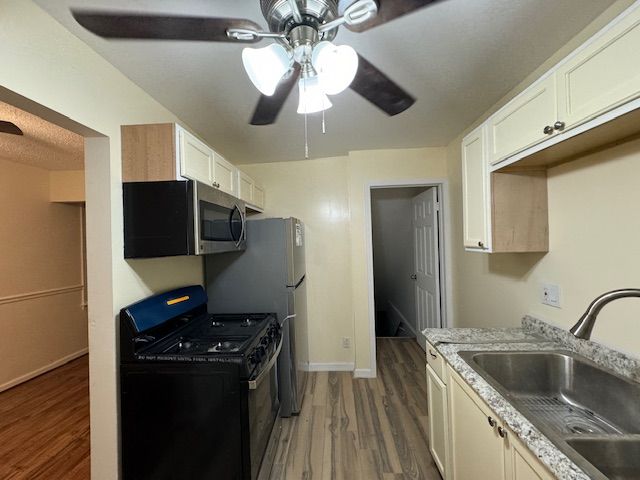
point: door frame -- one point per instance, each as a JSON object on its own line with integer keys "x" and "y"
{"x": 444, "y": 254}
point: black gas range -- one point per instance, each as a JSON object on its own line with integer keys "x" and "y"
{"x": 198, "y": 391}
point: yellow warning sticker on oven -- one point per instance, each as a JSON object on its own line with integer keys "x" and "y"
{"x": 173, "y": 301}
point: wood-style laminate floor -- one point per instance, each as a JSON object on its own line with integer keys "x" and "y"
{"x": 360, "y": 429}
{"x": 44, "y": 426}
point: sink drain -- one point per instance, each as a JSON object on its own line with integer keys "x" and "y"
{"x": 582, "y": 426}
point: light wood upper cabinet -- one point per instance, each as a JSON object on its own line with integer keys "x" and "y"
{"x": 224, "y": 175}
{"x": 166, "y": 151}
{"x": 196, "y": 158}
{"x": 475, "y": 190}
{"x": 603, "y": 75}
{"x": 525, "y": 121}
{"x": 505, "y": 212}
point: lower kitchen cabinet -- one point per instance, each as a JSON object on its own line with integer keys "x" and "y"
{"x": 476, "y": 445}
{"x": 482, "y": 446}
{"x": 438, "y": 420}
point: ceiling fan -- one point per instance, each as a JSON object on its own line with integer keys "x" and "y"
{"x": 302, "y": 53}
{"x": 10, "y": 128}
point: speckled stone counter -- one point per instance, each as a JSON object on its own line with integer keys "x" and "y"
{"x": 534, "y": 335}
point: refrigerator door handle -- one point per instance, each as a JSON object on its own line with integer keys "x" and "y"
{"x": 297, "y": 284}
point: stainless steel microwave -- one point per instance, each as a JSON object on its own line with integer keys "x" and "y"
{"x": 180, "y": 218}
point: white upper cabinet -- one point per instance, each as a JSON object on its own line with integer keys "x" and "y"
{"x": 475, "y": 190}
{"x": 196, "y": 158}
{"x": 224, "y": 175}
{"x": 526, "y": 120}
{"x": 602, "y": 75}
{"x": 250, "y": 191}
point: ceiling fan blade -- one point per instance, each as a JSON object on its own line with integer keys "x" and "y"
{"x": 163, "y": 27}
{"x": 268, "y": 108}
{"x": 379, "y": 89}
{"x": 11, "y": 128}
{"x": 389, "y": 10}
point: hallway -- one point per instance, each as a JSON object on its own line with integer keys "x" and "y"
{"x": 361, "y": 428}
{"x": 44, "y": 426}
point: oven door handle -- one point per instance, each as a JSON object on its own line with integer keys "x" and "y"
{"x": 253, "y": 384}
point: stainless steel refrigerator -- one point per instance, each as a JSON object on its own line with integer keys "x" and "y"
{"x": 269, "y": 276}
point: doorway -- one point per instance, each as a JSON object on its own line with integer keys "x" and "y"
{"x": 43, "y": 297}
{"x": 408, "y": 281}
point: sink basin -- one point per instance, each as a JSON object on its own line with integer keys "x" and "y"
{"x": 582, "y": 408}
{"x": 617, "y": 459}
{"x": 569, "y": 392}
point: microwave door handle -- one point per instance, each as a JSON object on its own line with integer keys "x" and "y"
{"x": 242, "y": 226}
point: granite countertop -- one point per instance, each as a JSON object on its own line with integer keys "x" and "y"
{"x": 534, "y": 335}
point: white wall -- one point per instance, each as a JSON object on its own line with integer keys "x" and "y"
{"x": 330, "y": 196}
{"x": 393, "y": 251}
{"x": 45, "y": 63}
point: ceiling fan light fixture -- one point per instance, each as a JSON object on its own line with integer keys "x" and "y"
{"x": 266, "y": 66}
{"x": 312, "y": 97}
{"x": 336, "y": 66}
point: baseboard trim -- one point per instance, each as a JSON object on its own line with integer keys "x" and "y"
{"x": 332, "y": 367}
{"x": 402, "y": 318}
{"x": 44, "y": 369}
{"x": 364, "y": 373}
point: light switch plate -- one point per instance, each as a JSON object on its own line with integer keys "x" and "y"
{"x": 550, "y": 294}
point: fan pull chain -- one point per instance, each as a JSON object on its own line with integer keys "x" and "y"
{"x": 324, "y": 130}
{"x": 306, "y": 138}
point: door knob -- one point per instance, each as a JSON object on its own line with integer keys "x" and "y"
{"x": 414, "y": 277}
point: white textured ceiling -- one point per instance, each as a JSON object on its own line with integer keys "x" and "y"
{"x": 457, "y": 58}
{"x": 43, "y": 145}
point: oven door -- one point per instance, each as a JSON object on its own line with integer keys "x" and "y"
{"x": 263, "y": 406}
{"x": 219, "y": 221}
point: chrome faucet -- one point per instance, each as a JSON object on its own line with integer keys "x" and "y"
{"x": 584, "y": 326}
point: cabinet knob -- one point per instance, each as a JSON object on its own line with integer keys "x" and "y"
{"x": 548, "y": 130}
{"x": 481, "y": 244}
{"x": 414, "y": 277}
{"x": 559, "y": 126}
{"x": 492, "y": 422}
{"x": 502, "y": 432}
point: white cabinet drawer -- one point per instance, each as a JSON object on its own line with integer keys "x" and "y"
{"x": 436, "y": 362}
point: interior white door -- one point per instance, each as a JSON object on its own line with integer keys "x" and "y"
{"x": 427, "y": 262}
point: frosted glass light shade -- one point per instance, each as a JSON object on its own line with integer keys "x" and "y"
{"x": 312, "y": 98}
{"x": 266, "y": 66}
{"x": 336, "y": 66}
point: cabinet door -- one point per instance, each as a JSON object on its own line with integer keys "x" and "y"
{"x": 521, "y": 123}
{"x": 438, "y": 421}
{"x": 258, "y": 196}
{"x": 224, "y": 175}
{"x": 196, "y": 159}
{"x": 245, "y": 187}
{"x": 603, "y": 75}
{"x": 476, "y": 448}
{"x": 475, "y": 190}
{"x": 522, "y": 464}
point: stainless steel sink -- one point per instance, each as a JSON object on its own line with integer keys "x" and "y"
{"x": 617, "y": 459}
{"x": 566, "y": 396}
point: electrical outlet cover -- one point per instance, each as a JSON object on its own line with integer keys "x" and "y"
{"x": 550, "y": 295}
